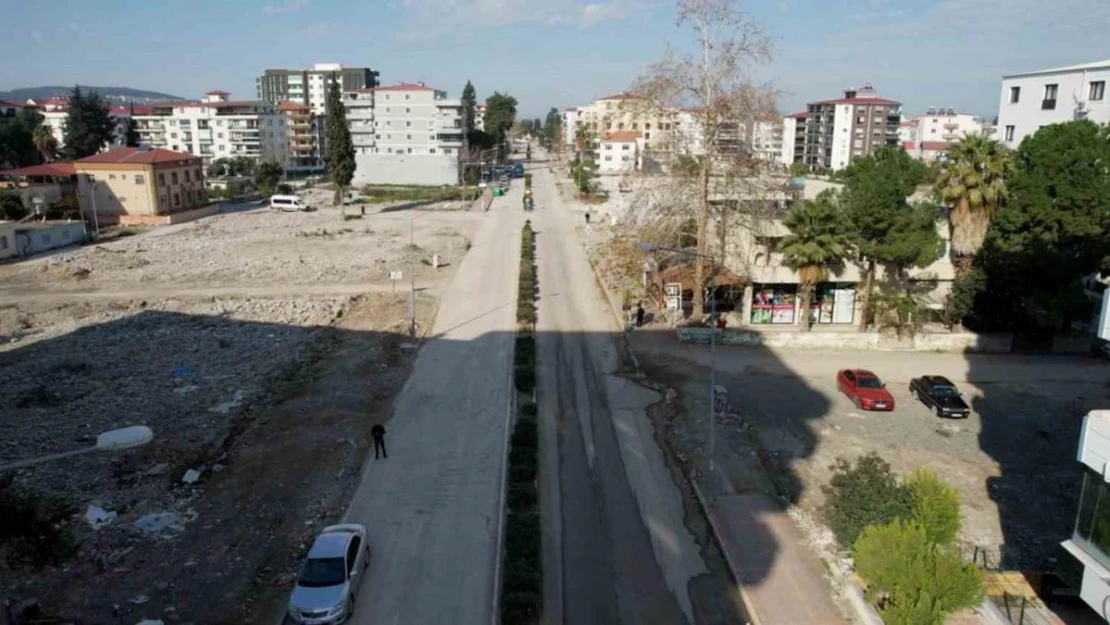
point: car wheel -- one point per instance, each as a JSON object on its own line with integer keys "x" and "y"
{"x": 913, "y": 394}
{"x": 858, "y": 402}
{"x": 936, "y": 411}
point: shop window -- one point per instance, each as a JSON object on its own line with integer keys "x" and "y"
{"x": 833, "y": 303}
{"x": 774, "y": 304}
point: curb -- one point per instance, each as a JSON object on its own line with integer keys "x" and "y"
{"x": 749, "y": 607}
{"x": 613, "y": 308}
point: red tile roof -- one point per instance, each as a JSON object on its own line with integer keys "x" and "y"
{"x": 935, "y": 146}
{"x": 405, "y": 86}
{"x": 138, "y": 156}
{"x": 857, "y": 100}
{"x": 216, "y": 92}
{"x": 17, "y": 105}
{"x": 49, "y": 169}
{"x": 802, "y": 115}
{"x": 292, "y": 106}
{"x": 623, "y": 135}
{"x": 909, "y": 145}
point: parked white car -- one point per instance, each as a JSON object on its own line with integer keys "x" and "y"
{"x": 326, "y": 588}
{"x": 288, "y": 203}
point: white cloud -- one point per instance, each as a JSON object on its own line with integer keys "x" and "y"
{"x": 433, "y": 17}
{"x": 287, "y": 6}
{"x": 36, "y": 35}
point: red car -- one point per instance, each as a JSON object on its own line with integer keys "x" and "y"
{"x": 865, "y": 389}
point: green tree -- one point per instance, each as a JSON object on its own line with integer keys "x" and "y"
{"x": 45, "y": 142}
{"x": 913, "y": 580}
{"x": 799, "y": 169}
{"x": 17, "y": 145}
{"x": 552, "y": 129}
{"x": 875, "y": 192}
{"x": 469, "y": 108}
{"x": 132, "y": 139}
{"x": 936, "y": 506}
{"x": 339, "y": 153}
{"x": 11, "y": 206}
{"x": 89, "y": 125}
{"x": 817, "y": 243}
{"x": 863, "y": 494}
{"x": 972, "y": 184}
{"x": 1053, "y": 230}
{"x": 267, "y": 176}
{"x": 500, "y": 116}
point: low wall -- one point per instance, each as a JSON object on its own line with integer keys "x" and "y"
{"x": 414, "y": 169}
{"x": 162, "y": 220}
{"x": 954, "y": 342}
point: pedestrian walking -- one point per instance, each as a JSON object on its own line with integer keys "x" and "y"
{"x": 639, "y": 314}
{"x": 587, "y": 218}
{"x": 378, "y": 432}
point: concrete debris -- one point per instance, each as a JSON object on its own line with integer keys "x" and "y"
{"x": 229, "y": 405}
{"x": 139, "y": 599}
{"x": 157, "y": 522}
{"x": 99, "y": 517}
{"x": 192, "y": 476}
{"x": 157, "y": 469}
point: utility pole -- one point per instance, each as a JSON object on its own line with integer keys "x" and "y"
{"x": 412, "y": 278}
{"x": 92, "y": 194}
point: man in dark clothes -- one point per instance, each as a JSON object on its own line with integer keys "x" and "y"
{"x": 639, "y": 314}
{"x": 587, "y": 218}
{"x": 378, "y": 432}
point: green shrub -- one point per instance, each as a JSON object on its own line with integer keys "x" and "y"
{"x": 528, "y": 409}
{"x": 862, "y": 495}
{"x": 525, "y": 379}
{"x": 521, "y": 576}
{"x": 522, "y": 536}
{"x": 524, "y": 457}
{"x": 936, "y": 506}
{"x": 520, "y": 607}
{"x": 521, "y": 473}
{"x": 522, "y": 497}
{"x": 526, "y": 434}
{"x": 911, "y": 579}
{"x": 526, "y": 313}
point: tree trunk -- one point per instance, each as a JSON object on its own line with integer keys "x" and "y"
{"x": 703, "y": 229}
{"x": 805, "y": 296}
{"x": 342, "y": 201}
{"x": 868, "y": 283}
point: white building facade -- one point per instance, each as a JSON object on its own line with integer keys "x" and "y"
{"x": 926, "y": 137}
{"x": 216, "y": 127}
{"x": 407, "y": 133}
{"x": 619, "y": 152}
{"x": 1052, "y": 96}
{"x": 1090, "y": 544}
{"x": 55, "y": 112}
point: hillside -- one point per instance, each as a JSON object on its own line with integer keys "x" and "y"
{"x": 117, "y": 94}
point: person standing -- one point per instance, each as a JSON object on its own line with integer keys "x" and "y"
{"x": 587, "y": 218}
{"x": 378, "y": 432}
{"x": 639, "y": 314}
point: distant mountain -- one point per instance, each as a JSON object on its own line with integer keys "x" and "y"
{"x": 121, "y": 95}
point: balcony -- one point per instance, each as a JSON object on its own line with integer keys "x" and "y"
{"x": 1048, "y": 105}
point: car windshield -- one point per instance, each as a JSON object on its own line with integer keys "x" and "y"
{"x": 323, "y": 572}
{"x": 945, "y": 391}
{"x": 867, "y": 382}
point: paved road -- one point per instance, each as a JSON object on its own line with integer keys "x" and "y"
{"x": 615, "y": 546}
{"x": 432, "y": 508}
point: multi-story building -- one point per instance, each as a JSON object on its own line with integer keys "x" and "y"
{"x": 793, "y": 138}
{"x": 836, "y": 131}
{"x": 1089, "y": 545}
{"x": 926, "y": 137}
{"x": 619, "y": 151}
{"x": 125, "y": 184}
{"x": 407, "y": 133}
{"x": 1052, "y": 96}
{"x": 55, "y": 112}
{"x": 302, "y": 152}
{"x": 215, "y": 127}
{"x": 310, "y": 86}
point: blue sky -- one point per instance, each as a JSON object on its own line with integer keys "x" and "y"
{"x": 547, "y": 52}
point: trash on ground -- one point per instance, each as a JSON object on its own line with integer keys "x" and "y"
{"x": 98, "y": 517}
{"x": 156, "y": 522}
{"x": 191, "y": 477}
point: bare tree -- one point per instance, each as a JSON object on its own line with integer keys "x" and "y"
{"x": 701, "y": 108}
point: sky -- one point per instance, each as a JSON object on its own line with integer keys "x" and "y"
{"x": 548, "y": 53}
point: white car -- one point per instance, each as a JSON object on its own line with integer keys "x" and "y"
{"x": 326, "y": 588}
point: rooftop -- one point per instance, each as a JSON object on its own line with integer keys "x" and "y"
{"x": 405, "y": 86}
{"x": 861, "y": 100}
{"x": 621, "y": 96}
{"x": 623, "y": 135}
{"x": 17, "y": 105}
{"x": 49, "y": 169}
{"x": 935, "y": 146}
{"x": 802, "y": 115}
{"x": 216, "y": 92}
{"x": 292, "y": 106}
{"x": 138, "y": 156}
{"x": 1070, "y": 68}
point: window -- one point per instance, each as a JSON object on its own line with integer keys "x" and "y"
{"x": 387, "y": 97}
{"x": 1049, "y": 102}
{"x": 608, "y": 146}
{"x": 1009, "y": 133}
{"x": 173, "y": 177}
{"x": 176, "y": 200}
{"x": 1015, "y": 95}
{"x": 406, "y": 96}
{"x": 625, "y": 158}
{"x": 408, "y": 124}
{"x": 139, "y": 179}
{"x": 1092, "y": 522}
{"x": 387, "y": 109}
{"x": 624, "y": 147}
{"x": 186, "y": 175}
{"x": 352, "y": 553}
{"x": 409, "y": 137}
{"x": 620, "y": 126}
{"x": 647, "y": 135}
{"x": 1097, "y": 91}
{"x": 173, "y": 135}
{"x": 269, "y": 122}
{"x": 219, "y": 135}
{"x": 111, "y": 176}
{"x": 3, "y": 243}
{"x": 388, "y": 124}
{"x": 446, "y": 150}
{"x": 161, "y": 180}
{"x": 410, "y": 150}
{"x": 220, "y": 122}
{"x": 608, "y": 158}
{"x": 196, "y": 174}
{"x": 431, "y": 150}
{"x": 389, "y": 137}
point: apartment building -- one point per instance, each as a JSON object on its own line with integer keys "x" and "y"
{"x": 836, "y": 131}
{"x": 926, "y": 137}
{"x": 11, "y": 109}
{"x": 128, "y": 184}
{"x": 619, "y": 152}
{"x": 217, "y": 127}
{"x": 793, "y": 139}
{"x": 408, "y": 133}
{"x": 55, "y": 112}
{"x": 302, "y": 152}
{"x": 310, "y": 86}
{"x": 1052, "y": 96}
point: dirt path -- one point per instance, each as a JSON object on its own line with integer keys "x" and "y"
{"x": 13, "y": 295}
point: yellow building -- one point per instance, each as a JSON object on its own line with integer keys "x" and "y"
{"x": 138, "y": 184}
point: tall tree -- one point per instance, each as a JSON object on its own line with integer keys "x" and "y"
{"x": 712, "y": 81}
{"x": 469, "y": 107}
{"x": 972, "y": 184}
{"x": 89, "y": 126}
{"x": 817, "y": 243}
{"x": 132, "y": 139}
{"x": 339, "y": 151}
{"x": 500, "y": 116}
{"x": 552, "y": 128}
{"x": 45, "y": 142}
{"x": 875, "y": 192}
{"x": 267, "y": 176}
{"x": 17, "y": 145}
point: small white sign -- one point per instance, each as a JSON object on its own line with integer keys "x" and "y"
{"x": 673, "y": 303}
{"x": 673, "y": 289}
{"x": 395, "y": 275}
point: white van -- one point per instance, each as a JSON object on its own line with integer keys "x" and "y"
{"x": 288, "y": 203}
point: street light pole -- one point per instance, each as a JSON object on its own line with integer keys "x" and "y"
{"x": 112, "y": 440}
{"x": 412, "y": 278}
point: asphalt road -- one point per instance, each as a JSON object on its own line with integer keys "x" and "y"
{"x": 432, "y": 508}
{"x": 615, "y": 546}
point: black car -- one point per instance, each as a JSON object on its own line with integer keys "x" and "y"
{"x": 939, "y": 395}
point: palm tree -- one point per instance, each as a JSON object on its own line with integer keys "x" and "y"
{"x": 972, "y": 183}
{"x": 818, "y": 241}
{"x": 45, "y": 142}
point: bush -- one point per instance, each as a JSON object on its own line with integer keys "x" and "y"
{"x": 526, "y": 434}
{"x": 862, "y": 495}
{"x": 521, "y": 576}
{"x": 525, "y": 379}
{"x": 522, "y": 536}
{"x": 520, "y": 607}
{"x": 521, "y": 472}
{"x": 912, "y": 580}
{"x": 936, "y": 506}
{"x": 528, "y": 409}
{"x": 524, "y": 457}
{"x": 11, "y": 207}
{"x": 522, "y": 498}
{"x": 285, "y": 189}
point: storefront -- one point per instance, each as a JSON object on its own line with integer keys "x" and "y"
{"x": 831, "y": 303}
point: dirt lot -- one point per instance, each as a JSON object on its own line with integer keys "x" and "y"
{"x": 268, "y": 398}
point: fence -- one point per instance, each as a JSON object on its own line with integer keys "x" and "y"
{"x": 1010, "y": 591}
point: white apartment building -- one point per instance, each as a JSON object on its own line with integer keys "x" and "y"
{"x": 407, "y": 133}
{"x": 619, "y": 152}
{"x": 793, "y": 139}
{"x": 215, "y": 127}
{"x": 1052, "y": 96}
{"x": 55, "y": 112}
{"x": 926, "y": 137}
